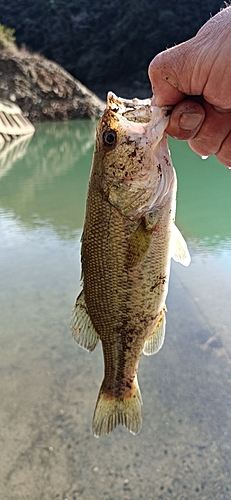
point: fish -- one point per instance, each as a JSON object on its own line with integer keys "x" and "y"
{"x": 128, "y": 239}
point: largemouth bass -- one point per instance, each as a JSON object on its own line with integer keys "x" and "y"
{"x": 128, "y": 239}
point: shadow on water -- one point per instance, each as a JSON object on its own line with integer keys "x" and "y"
{"x": 48, "y": 385}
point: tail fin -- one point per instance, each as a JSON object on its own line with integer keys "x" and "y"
{"x": 110, "y": 412}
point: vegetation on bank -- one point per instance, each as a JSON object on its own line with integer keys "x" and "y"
{"x": 7, "y": 38}
{"x": 104, "y": 41}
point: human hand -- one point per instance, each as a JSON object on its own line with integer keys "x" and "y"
{"x": 200, "y": 67}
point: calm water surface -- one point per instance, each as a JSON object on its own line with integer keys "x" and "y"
{"x": 48, "y": 385}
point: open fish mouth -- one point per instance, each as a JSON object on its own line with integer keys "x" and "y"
{"x": 134, "y": 110}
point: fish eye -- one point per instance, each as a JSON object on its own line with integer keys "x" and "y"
{"x": 109, "y": 137}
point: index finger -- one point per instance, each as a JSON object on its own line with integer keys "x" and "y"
{"x": 164, "y": 83}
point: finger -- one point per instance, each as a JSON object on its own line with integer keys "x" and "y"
{"x": 185, "y": 120}
{"x": 224, "y": 153}
{"x": 199, "y": 66}
{"x": 164, "y": 80}
{"x": 215, "y": 128}
{"x": 178, "y": 72}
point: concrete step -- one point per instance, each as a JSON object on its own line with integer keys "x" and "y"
{"x": 12, "y": 122}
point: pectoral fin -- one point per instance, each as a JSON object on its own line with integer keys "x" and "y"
{"x": 140, "y": 239}
{"x": 155, "y": 341}
{"x": 180, "y": 251}
{"x": 82, "y": 328}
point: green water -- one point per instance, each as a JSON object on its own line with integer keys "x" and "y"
{"x": 48, "y": 385}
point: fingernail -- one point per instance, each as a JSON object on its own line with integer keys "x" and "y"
{"x": 190, "y": 121}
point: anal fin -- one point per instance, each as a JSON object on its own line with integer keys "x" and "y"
{"x": 155, "y": 341}
{"x": 82, "y": 328}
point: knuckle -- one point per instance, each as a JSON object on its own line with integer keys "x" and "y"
{"x": 204, "y": 146}
{"x": 224, "y": 153}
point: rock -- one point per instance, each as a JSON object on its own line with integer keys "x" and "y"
{"x": 44, "y": 90}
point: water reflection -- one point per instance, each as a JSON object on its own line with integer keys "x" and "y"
{"x": 47, "y": 184}
{"x": 12, "y": 151}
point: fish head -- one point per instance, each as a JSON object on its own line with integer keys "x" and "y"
{"x": 132, "y": 156}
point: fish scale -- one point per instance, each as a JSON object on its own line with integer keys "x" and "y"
{"x": 128, "y": 239}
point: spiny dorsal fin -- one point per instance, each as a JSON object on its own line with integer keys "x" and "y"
{"x": 180, "y": 251}
{"x": 82, "y": 328}
{"x": 155, "y": 341}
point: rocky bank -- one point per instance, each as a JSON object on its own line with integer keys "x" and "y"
{"x": 44, "y": 90}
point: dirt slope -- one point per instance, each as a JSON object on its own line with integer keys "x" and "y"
{"x": 43, "y": 89}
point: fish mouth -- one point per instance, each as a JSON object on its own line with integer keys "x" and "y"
{"x": 135, "y": 110}
{"x": 141, "y": 136}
